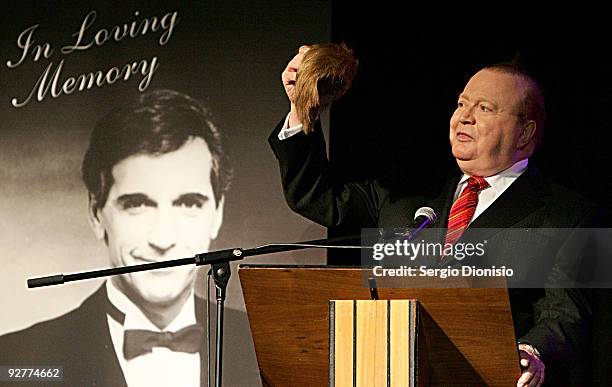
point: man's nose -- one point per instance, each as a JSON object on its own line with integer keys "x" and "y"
{"x": 466, "y": 115}
{"x": 162, "y": 233}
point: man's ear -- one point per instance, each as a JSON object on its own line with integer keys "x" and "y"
{"x": 528, "y": 134}
{"x": 94, "y": 219}
{"x": 217, "y": 219}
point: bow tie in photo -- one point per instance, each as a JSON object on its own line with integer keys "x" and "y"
{"x": 138, "y": 342}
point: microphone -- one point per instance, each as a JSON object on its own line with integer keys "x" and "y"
{"x": 423, "y": 218}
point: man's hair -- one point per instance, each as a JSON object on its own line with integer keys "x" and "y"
{"x": 155, "y": 123}
{"x": 533, "y": 107}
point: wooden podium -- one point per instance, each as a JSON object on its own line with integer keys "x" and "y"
{"x": 465, "y": 335}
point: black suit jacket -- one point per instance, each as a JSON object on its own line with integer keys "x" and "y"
{"x": 80, "y": 342}
{"x": 555, "y": 320}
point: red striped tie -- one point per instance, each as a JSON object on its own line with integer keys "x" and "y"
{"x": 463, "y": 208}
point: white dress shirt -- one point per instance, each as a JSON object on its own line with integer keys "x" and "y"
{"x": 497, "y": 183}
{"x": 161, "y": 367}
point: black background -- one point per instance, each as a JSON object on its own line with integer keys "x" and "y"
{"x": 414, "y": 64}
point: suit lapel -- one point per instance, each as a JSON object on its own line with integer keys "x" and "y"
{"x": 442, "y": 204}
{"x": 100, "y": 357}
{"x": 517, "y": 203}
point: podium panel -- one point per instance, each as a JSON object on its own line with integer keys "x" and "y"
{"x": 467, "y": 333}
{"x": 373, "y": 343}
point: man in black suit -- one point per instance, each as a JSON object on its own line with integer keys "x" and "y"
{"x": 494, "y": 130}
{"x": 156, "y": 175}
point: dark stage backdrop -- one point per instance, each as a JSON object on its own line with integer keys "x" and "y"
{"x": 228, "y": 54}
{"x": 414, "y": 64}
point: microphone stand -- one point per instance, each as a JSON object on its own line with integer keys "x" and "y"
{"x": 219, "y": 261}
{"x": 221, "y": 274}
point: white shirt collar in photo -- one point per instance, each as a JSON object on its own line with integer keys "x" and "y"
{"x": 497, "y": 185}
{"x": 161, "y": 367}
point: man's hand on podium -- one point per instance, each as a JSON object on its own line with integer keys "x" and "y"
{"x": 532, "y": 366}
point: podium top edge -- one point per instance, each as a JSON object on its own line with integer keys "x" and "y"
{"x": 278, "y": 266}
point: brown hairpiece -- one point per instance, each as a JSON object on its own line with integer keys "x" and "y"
{"x": 325, "y": 74}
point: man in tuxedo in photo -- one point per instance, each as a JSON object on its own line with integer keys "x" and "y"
{"x": 157, "y": 175}
{"x": 496, "y": 127}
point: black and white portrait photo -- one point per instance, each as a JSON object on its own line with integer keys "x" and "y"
{"x": 135, "y": 133}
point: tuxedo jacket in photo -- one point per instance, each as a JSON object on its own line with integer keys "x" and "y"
{"x": 80, "y": 342}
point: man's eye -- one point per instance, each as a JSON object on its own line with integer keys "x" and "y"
{"x": 135, "y": 207}
{"x": 460, "y": 104}
{"x": 190, "y": 204}
{"x": 129, "y": 206}
{"x": 135, "y": 204}
{"x": 485, "y": 108}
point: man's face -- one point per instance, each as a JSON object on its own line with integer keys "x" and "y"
{"x": 160, "y": 207}
{"x": 486, "y": 128}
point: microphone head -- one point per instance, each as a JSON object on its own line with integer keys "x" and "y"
{"x": 428, "y": 213}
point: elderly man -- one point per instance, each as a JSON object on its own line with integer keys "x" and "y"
{"x": 156, "y": 175}
{"x": 494, "y": 130}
